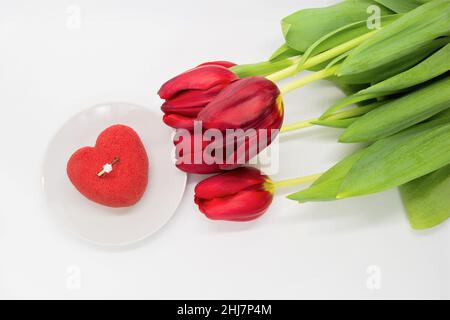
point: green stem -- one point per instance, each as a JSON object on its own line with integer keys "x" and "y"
{"x": 309, "y": 79}
{"x": 295, "y": 181}
{"x": 320, "y": 58}
{"x": 285, "y": 73}
{"x": 297, "y": 125}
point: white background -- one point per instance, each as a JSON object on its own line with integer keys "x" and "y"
{"x": 123, "y": 51}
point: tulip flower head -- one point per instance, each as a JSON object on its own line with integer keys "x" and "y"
{"x": 188, "y": 93}
{"x": 233, "y": 128}
{"x": 241, "y": 195}
{"x": 249, "y": 112}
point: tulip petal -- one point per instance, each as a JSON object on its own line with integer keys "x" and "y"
{"x": 191, "y": 102}
{"x": 243, "y": 206}
{"x": 169, "y": 108}
{"x": 179, "y": 122}
{"x": 248, "y": 146}
{"x": 201, "y": 78}
{"x": 230, "y": 183}
{"x": 226, "y": 64}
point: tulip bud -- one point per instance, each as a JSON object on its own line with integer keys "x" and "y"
{"x": 188, "y": 93}
{"x": 243, "y": 194}
{"x": 253, "y": 103}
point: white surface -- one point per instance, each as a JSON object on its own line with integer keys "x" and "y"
{"x": 99, "y": 224}
{"x": 123, "y": 51}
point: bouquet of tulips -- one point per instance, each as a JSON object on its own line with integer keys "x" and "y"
{"x": 392, "y": 60}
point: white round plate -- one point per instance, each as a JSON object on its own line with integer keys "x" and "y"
{"x": 99, "y": 224}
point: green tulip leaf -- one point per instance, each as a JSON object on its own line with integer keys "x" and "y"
{"x": 399, "y": 39}
{"x": 427, "y": 200}
{"x": 335, "y": 123}
{"x": 392, "y": 66}
{"x": 329, "y": 185}
{"x": 402, "y": 6}
{"x": 338, "y": 59}
{"x": 342, "y": 35}
{"x": 303, "y": 28}
{"x": 345, "y": 118}
{"x": 347, "y": 88}
{"x": 388, "y": 165}
{"x": 400, "y": 113}
{"x": 432, "y": 67}
{"x": 284, "y": 52}
{"x": 345, "y": 102}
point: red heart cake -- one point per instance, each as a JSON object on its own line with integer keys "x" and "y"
{"x": 115, "y": 172}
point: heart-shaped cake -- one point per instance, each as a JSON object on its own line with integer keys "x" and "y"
{"x": 114, "y": 173}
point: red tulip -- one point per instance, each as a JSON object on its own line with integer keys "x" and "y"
{"x": 250, "y": 103}
{"x": 188, "y": 93}
{"x": 243, "y": 194}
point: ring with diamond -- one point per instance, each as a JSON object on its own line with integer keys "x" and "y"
{"x": 108, "y": 168}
